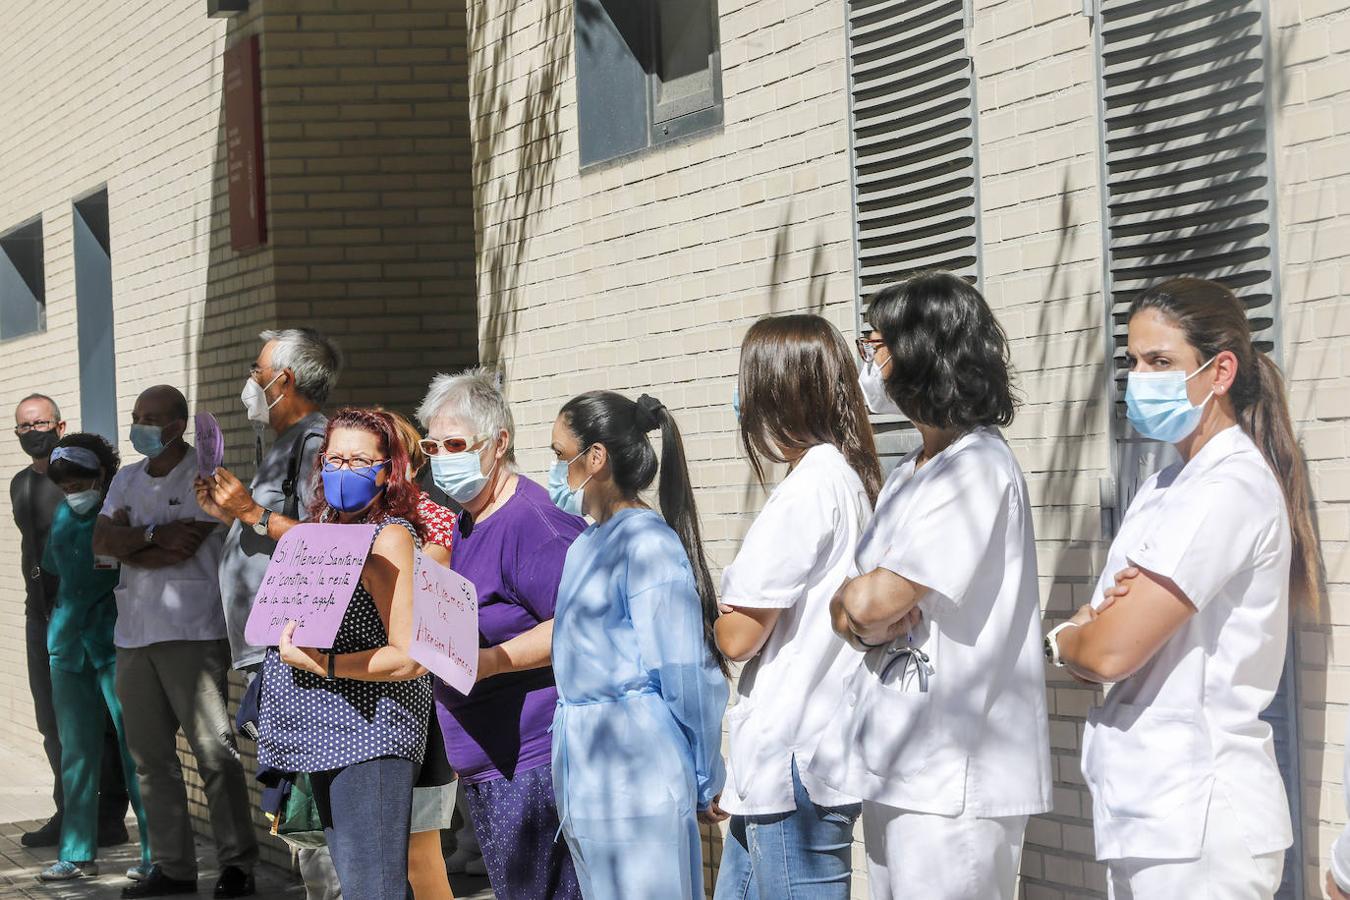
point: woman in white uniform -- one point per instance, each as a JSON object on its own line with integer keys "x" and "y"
{"x": 943, "y": 732}
{"x": 1192, "y": 611}
{"x": 790, "y": 835}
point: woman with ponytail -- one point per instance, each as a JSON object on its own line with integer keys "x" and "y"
{"x": 641, "y": 686}
{"x": 799, "y": 405}
{"x": 1192, "y": 612}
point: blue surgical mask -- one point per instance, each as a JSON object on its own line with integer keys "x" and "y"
{"x": 1158, "y": 406}
{"x": 82, "y": 503}
{"x": 566, "y": 498}
{"x": 148, "y": 440}
{"x": 736, "y": 402}
{"x": 459, "y": 475}
{"x": 351, "y": 490}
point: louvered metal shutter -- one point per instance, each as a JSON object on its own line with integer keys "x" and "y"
{"x": 915, "y": 178}
{"x": 1189, "y": 190}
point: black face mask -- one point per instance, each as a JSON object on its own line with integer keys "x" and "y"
{"x": 39, "y": 444}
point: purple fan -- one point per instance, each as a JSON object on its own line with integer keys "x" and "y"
{"x": 210, "y": 444}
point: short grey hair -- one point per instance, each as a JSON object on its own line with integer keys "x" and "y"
{"x": 313, "y": 358}
{"x": 56, "y": 410}
{"x": 474, "y": 395}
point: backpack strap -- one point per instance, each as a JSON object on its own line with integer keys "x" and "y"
{"x": 291, "y": 506}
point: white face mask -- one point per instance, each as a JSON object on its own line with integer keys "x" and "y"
{"x": 255, "y": 400}
{"x": 873, "y": 385}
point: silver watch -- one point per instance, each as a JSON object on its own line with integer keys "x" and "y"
{"x": 149, "y": 536}
{"x": 260, "y": 526}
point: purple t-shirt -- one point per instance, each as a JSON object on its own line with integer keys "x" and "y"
{"x": 514, "y": 558}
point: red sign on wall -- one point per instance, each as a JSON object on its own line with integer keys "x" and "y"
{"x": 244, "y": 145}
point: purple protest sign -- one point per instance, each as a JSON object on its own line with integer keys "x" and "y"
{"x": 210, "y": 444}
{"x": 445, "y": 624}
{"x": 313, "y": 573}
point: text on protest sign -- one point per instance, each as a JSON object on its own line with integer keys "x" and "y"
{"x": 314, "y": 572}
{"x": 445, "y": 624}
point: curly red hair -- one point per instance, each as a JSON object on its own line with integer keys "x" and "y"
{"x": 400, "y": 495}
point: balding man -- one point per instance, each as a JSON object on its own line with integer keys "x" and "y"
{"x": 172, "y": 652}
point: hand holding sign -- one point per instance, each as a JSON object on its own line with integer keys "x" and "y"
{"x": 312, "y": 576}
{"x": 210, "y": 444}
{"x": 445, "y": 624}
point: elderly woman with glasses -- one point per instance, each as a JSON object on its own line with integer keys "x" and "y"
{"x": 512, "y": 544}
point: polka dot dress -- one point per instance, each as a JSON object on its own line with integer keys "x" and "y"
{"x": 310, "y": 724}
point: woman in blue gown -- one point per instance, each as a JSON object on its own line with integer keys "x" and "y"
{"x": 637, "y": 735}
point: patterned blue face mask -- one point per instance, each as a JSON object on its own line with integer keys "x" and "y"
{"x": 565, "y": 497}
{"x": 1158, "y": 406}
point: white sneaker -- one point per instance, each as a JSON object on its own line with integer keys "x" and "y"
{"x": 65, "y": 870}
{"x": 140, "y": 872}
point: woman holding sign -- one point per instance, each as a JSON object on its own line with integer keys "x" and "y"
{"x": 354, "y": 716}
{"x": 638, "y": 731}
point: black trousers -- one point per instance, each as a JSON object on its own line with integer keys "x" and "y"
{"x": 112, "y": 789}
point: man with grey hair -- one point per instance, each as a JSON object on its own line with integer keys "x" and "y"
{"x": 514, "y": 556}
{"x": 288, "y": 383}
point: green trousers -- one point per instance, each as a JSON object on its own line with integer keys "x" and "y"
{"x": 79, "y": 698}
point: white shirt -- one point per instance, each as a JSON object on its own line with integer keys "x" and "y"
{"x": 977, "y": 741}
{"x": 1187, "y": 723}
{"x": 796, "y": 555}
{"x": 179, "y": 602}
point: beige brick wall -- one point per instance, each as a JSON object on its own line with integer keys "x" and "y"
{"x": 1312, "y": 157}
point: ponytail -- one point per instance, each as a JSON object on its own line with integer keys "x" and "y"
{"x": 621, "y": 425}
{"x": 1263, "y": 414}
{"x": 1214, "y": 321}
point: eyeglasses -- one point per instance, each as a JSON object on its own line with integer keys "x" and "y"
{"x": 333, "y": 463}
{"x": 451, "y": 444}
{"x": 868, "y": 347}
{"x": 39, "y": 425}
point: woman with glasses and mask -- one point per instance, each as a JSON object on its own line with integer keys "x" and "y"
{"x": 637, "y": 736}
{"x": 354, "y": 716}
{"x": 943, "y": 730}
{"x": 1192, "y": 611}
{"x": 511, "y": 545}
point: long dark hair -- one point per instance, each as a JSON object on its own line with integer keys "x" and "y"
{"x": 799, "y": 388}
{"x": 949, "y": 355}
{"x": 621, "y": 425}
{"x": 1214, "y": 320}
{"x": 400, "y": 495}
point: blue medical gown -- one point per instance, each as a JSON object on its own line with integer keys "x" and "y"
{"x": 637, "y": 735}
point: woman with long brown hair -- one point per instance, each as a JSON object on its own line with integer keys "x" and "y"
{"x": 799, "y": 405}
{"x": 1190, "y": 623}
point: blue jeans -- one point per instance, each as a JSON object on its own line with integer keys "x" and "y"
{"x": 365, "y": 809}
{"x": 805, "y": 854}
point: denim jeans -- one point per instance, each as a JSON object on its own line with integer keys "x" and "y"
{"x": 366, "y": 809}
{"x": 802, "y": 854}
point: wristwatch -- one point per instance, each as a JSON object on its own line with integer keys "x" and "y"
{"x": 260, "y": 526}
{"x": 1052, "y": 644}
{"x": 149, "y": 536}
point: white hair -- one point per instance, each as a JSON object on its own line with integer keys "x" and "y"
{"x": 314, "y": 359}
{"x": 473, "y": 396}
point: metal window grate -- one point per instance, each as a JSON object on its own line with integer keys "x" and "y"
{"x": 913, "y": 150}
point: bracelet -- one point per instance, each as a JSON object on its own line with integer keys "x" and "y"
{"x": 332, "y": 666}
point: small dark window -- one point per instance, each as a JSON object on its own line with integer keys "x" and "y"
{"x": 23, "y": 294}
{"x": 648, "y": 71}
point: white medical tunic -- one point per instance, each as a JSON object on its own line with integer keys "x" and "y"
{"x": 1187, "y": 724}
{"x": 976, "y": 742}
{"x": 796, "y": 555}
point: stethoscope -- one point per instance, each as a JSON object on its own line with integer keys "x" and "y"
{"x": 905, "y": 657}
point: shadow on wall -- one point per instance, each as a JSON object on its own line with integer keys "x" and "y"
{"x": 517, "y": 143}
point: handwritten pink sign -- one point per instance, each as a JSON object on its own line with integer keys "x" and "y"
{"x": 210, "y": 444}
{"x": 312, "y": 576}
{"x": 445, "y": 624}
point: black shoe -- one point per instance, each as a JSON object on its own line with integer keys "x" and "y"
{"x": 112, "y": 834}
{"x": 157, "y": 884}
{"x": 235, "y": 882}
{"x": 49, "y": 835}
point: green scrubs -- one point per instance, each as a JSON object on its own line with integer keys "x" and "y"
{"x": 80, "y": 644}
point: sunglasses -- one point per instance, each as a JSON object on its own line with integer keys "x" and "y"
{"x": 451, "y": 444}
